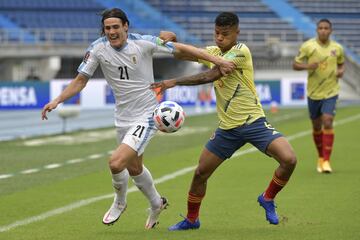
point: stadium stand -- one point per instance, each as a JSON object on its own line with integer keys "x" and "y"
{"x": 48, "y": 21}
{"x": 262, "y": 28}
{"x": 70, "y": 21}
{"x": 257, "y": 21}
{"x": 54, "y": 20}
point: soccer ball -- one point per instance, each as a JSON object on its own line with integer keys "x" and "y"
{"x": 168, "y": 116}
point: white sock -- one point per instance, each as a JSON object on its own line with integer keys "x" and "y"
{"x": 120, "y": 183}
{"x": 145, "y": 183}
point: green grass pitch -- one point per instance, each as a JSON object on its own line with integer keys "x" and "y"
{"x": 59, "y": 187}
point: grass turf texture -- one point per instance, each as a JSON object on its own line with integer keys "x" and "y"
{"x": 311, "y": 206}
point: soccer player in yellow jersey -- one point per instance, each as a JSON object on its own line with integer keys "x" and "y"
{"x": 324, "y": 60}
{"x": 242, "y": 121}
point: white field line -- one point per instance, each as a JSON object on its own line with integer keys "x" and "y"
{"x": 96, "y": 136}
{"x": 185, "y": 131}
{"x": 104, "y": 135}
{"x": 162, "y": 179}
{"x": 53, "y": 165}
{"x": 86, "y": 202}
{"x": 29, "y": 171}
{"x": 4, "y": 176}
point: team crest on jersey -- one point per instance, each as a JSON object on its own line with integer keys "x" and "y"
{"x": 86, "y": 57}
{"x": 133, "y": 59}
{"x": 333, "y": 53}
{"x": 220, "y": 83}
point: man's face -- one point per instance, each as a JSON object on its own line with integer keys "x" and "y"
{"x": 115, "y": 31}
{"x": 323, "y": 30}
{"x": 226, "y": 37}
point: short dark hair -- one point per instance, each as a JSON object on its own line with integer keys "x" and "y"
{"x": 324, "y": 20}
{"x": 113, "y": 13}
{"x": 227, "y": 19}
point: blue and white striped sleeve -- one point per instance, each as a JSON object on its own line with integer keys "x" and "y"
{"x": 157, "y": 43}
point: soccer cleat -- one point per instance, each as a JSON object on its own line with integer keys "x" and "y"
{"x": 319, "y": 167}
{"x": 269, "y": 207}
{"x": 326, "y": 168}
{"x": 114, "y": 213}
{"x": 152, "y": 220}
{"x": 185, "y": 225}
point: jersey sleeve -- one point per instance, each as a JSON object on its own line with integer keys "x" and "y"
{"x": 163, "y": 48}
{"x": 240, "y": 55}
{"x": 301, "y": 56}
{"x": 89, "y": 64}
{"x": 341, "y": 57}
{"x": 155, "y": 44}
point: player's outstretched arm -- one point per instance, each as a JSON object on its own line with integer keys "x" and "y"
{"x": 188, "y": 52}
{"x": 73, "y": 88}
{"x": 305, "y": 66}
{"x": 196, "y": 79}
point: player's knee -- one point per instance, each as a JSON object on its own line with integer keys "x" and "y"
{"x": 200, "y": 175}
{"x": 135, "y": 170}
{"x": 289, "y": 160}
{"x": 317, "y": 124}
{"x": 117, "y": 163}
{"x": 328, "y": 124}
{"x": 327, "y": 121}
{"x": 317, "y": 128}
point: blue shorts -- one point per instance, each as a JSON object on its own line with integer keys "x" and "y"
{"x": 319, "y": 107}
{"x": 225, "y": 142}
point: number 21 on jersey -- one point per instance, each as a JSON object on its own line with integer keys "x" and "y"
{"x": 124, "y": 72}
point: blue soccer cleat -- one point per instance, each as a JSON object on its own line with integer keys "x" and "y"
{"x": 269, "y": 207}
{"x": 185, "y": 225}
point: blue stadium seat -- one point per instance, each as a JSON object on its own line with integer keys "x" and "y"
{"x": 256, "y": 19}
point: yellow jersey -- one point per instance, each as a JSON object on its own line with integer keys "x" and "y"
{"x": 236, "y": 98}
{"x": 322, "y": 82}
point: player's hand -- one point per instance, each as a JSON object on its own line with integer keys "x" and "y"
{"x": 48, "y": 108}
{"x": 162, "y": 85}
{"x": 226, "y": 67}
{"x": 167, "y": 36}
{"x": 339, "y": 73}
{"x": 313, "y": 66}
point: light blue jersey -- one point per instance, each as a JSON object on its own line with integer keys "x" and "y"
{"x": 129, "y": 72}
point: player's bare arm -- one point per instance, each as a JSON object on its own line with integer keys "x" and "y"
{"x": 188, "y": 52}
{"x": 340, "y": 70}
{"x": 73, "y": 88}
{"x": 305, "y": 66}
{"x": 197, "y": 79}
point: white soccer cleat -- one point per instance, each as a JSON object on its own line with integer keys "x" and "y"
{"x": 326, "y": 167}
{"x": 152, "y": 220}
{"x": 114, "y": 213}
{"x": 319, "y": 167}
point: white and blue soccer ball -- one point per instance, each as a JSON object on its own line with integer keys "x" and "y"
{"x": 168, "y": 116}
